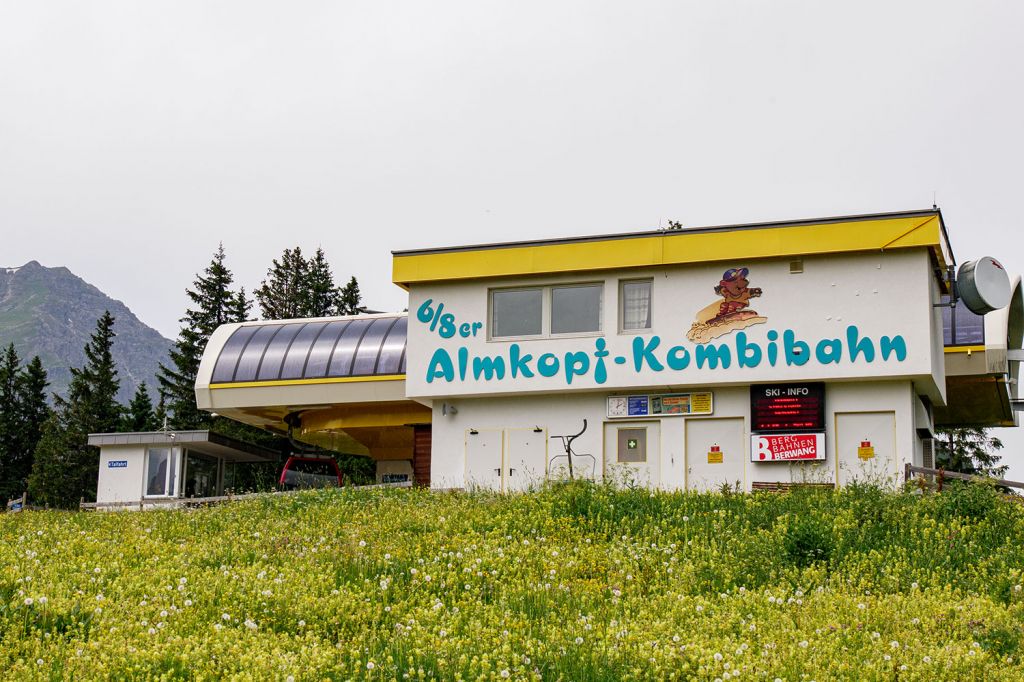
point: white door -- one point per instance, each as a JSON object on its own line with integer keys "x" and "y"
{"x": 716, "y": 454}
{"x": 866, "y": 447}
{"x": 484, "y": 459}
{"x": 632, "y": 452}
{"x": 525, "y": 459}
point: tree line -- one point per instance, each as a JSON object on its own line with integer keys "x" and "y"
{"x": 43, "y": 445}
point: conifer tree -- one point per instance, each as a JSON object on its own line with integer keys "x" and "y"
{"x": 213, "y": 303}
{"x": 970, "y": 451}
{"x": 350, "y": 298}
{"x": 32, "y": 412}
{"x": 139, "y": 416}
{"x": 9, "y": 421}
{"x": 283, "y": 294}
{"x": 322, "y": 297}
{"x": 66, "y": 467}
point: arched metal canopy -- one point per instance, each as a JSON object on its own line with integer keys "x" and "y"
{"x": 317, "y": 349}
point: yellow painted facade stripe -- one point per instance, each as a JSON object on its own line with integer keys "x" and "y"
{"x": 671, "y": 249}
{"x": 307, "y": 382}
{"x": 964, "y": 349}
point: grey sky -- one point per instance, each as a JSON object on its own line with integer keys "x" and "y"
{"x": 136, "y": 135}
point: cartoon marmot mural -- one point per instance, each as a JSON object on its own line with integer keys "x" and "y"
{"x": 733, "y": 312}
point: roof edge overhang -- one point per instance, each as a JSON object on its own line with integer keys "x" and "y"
{"x": 870, "y": 232}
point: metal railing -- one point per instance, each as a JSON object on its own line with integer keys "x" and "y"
{"x": 909, "y": 470}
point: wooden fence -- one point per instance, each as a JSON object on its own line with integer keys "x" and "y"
{"x": 178, "y": 502}
{"x": 941, "y": 474}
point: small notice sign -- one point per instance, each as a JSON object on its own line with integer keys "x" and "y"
{"x": 638, "y": 406}
{"x": 792, "y": 447}
{"x": 661, "y": 405}
{"x": 117, "y": 464}
{"x": 866, "y": 450}
{"x": 715, "y": 455}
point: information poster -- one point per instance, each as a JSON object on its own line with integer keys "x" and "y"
{"x": 660, "y": 405}
{"x": 639, "y": 406}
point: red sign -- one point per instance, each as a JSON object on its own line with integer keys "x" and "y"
{"x": 792, "y": 447}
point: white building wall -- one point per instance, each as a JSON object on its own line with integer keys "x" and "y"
{"x": 877, "y": 402}
{"x": 881, "y": 294}
{"x": 121, "y": 484}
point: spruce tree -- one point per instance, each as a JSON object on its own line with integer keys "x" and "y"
{"x": 322, "y": 297}
{"x": 213, "y": 303}
{"x": 970, "y": 451}
{"x": 10, "y": 422}
{"x": 66, "y": 467}
{"x": 140, "y": 416}
{"x": 282, "y": 295}
{"x": 32, "y": 414}
{"x": 350, "y": 298}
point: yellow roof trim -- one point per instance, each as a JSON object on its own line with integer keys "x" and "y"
{"x": 671, "y": 248}
{"x": 964, "y": 349}
{"x": 306, "y": 382}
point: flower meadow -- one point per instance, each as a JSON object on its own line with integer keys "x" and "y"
{"x": 573, "y": 582}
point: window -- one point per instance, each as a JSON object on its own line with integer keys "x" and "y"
{"x": 161, "y": 472}
{"x": 517, "y": 312}
{"x": 635, "y": 305}
{"x": 576, "y": 309}
{"x": 632, "y": 445}
{"x": 546, "y": 311}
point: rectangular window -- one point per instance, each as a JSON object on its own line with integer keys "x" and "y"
{"x": 576, "y": 309}
{"x": 632, "y": 445}
{"x": 635, "y": 305}
{"x": 517, "y": 312}
{"x": 161, "y": 472}
{"x": 546, "y": 311}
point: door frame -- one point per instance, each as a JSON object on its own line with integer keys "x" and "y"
{"x": 604, "y": 443}
{"x": 744, "y": 443}
{"x": 835, "y": 437}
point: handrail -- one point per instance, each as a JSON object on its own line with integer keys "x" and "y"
{"x": 910, "y": 470}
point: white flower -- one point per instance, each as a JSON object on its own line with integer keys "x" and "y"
{"x": 302, "y": 623}
{"x": 249, "y": 623}
{"x": 699, "y": 608}
{"x": 803, "y": 644}
{"x": 188, "y": 602}
{"x": 163, "y": 614}
{"x": 505, "y": 673}
{"x": 28, "y": 601}
{"x": 370, "y": 665}
{"x": 579, "y": 640}
{"x": 225, "y": 616}
{"x": 152, "y": 631}
{"x": 927, "y": 659}
{"x": 913, "y": 585}
{"x": 718, "y": 657}
{"x": 39, "y": 661}
{"x": 362, "y": 543}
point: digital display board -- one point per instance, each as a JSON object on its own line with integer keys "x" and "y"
{"x": 780, "y": 408}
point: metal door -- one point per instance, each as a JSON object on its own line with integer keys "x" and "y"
{"x": 716, "y": 454}
{"x": 525, "y": 459}
{"x": 484, "y": 459}
{"x": 632, "y": 452}
{"x": 866, "y": 447}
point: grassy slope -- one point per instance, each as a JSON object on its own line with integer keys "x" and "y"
{"x": 579, "y": 583}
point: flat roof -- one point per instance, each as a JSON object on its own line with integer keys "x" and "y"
{"x": 837, "y": 234}
{"x": 205, "y": 442}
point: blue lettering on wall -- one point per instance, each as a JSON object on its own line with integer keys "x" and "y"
{"x": 647, "y": 354}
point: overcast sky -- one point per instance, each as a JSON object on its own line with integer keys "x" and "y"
{"x": 135, "y": 136}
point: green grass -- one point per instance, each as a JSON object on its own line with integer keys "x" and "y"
{"x": 574, "y": 582}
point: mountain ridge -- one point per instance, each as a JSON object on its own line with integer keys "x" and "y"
{"x": 51, "y": 311}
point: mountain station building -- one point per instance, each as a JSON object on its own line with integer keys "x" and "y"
{"x": 822, "y": 351}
